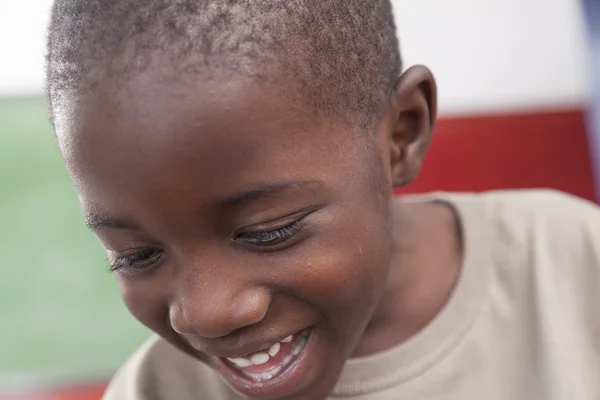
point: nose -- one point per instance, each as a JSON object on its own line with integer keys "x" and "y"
{"x": 213, "y": 310}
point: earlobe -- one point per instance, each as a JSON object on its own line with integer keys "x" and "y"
{"x": 414, "y": 112}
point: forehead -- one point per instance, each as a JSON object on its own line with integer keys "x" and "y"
{"x": 150, "y": 137}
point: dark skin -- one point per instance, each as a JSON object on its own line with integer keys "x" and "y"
{"x": 235, "y": 217}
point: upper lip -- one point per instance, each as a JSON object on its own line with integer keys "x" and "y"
{"x": 236, "y": 346}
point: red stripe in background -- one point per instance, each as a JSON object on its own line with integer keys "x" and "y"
{"x": 546, "y": 149}
{"x": 78, "y": 392}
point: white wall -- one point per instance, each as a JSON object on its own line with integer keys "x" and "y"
{"x": 496, "y": 55}
{"x": 488, "y": 55}
{"x": 22, "y": 46}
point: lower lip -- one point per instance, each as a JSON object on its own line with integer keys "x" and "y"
{"x": 286, "y": 382}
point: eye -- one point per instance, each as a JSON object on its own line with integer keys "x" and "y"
{"x": 140, "y": 260}
{"x": 267, "y": 239}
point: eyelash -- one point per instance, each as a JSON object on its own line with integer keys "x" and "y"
{"x": 265, "y": 240}
{"x": 141, "y": 259}
{"x": 269, "y": 239}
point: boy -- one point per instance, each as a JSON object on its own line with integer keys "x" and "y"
{"x": 237, "y": 161}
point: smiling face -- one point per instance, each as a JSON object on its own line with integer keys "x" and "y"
{"x": 234, "y": 219}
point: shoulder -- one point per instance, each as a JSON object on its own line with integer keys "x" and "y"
{"x": 158, "y": 371}
{"x": 545, "y": 216}
{"x": 539, "y": 228}
{"x": 543, "y": 212}
{"x": 544, "y": 202}
{"x": 541, "y": 238}
{"x": 539, "y": 245}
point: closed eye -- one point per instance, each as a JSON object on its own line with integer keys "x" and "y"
{"x": 140, "y": 260}
{"x": 268, "y": 239}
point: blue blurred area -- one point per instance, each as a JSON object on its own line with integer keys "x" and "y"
{"x": 591, "y": 11}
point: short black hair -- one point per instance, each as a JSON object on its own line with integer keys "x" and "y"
{"x": 344, "y": 54}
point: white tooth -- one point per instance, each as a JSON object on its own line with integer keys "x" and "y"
{"x": 288, "y": 339}
{"x": 274, "y": 349}
{"x": 297, "y": 349}
{"x": 259, "y": 358}
{"x": 264, "y": 375}
{"x": 275, "y": 371}
{"x": 241, "y": 362}
{"x": 287, "y": 360}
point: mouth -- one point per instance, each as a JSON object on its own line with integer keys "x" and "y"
{"x": 273, "y": 371}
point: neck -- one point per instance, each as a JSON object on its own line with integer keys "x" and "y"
{"x": 425, "y": 267}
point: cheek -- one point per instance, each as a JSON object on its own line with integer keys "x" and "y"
{"x": 343, "y": 270}
{"x": 146, "y": 300}
{"x": 344, "y": 277}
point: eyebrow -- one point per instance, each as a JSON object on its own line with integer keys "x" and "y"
{"x": 264, "y": 190}
{"x": 95, "y": 222}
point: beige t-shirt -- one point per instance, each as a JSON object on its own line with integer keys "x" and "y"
{"x": 522, "y": 323}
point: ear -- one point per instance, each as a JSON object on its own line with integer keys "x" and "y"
{"x": 413, "y": 114}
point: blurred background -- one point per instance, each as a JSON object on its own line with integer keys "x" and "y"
{"x": 520, "y": 107}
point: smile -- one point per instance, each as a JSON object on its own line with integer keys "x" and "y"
{"x": 277, "y": 369}
{"x": 265, "y": 365}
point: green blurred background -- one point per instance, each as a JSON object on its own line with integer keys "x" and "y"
{"x": 62, "y": 318}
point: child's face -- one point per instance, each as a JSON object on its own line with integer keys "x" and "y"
{"x": 237, "y": 219}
